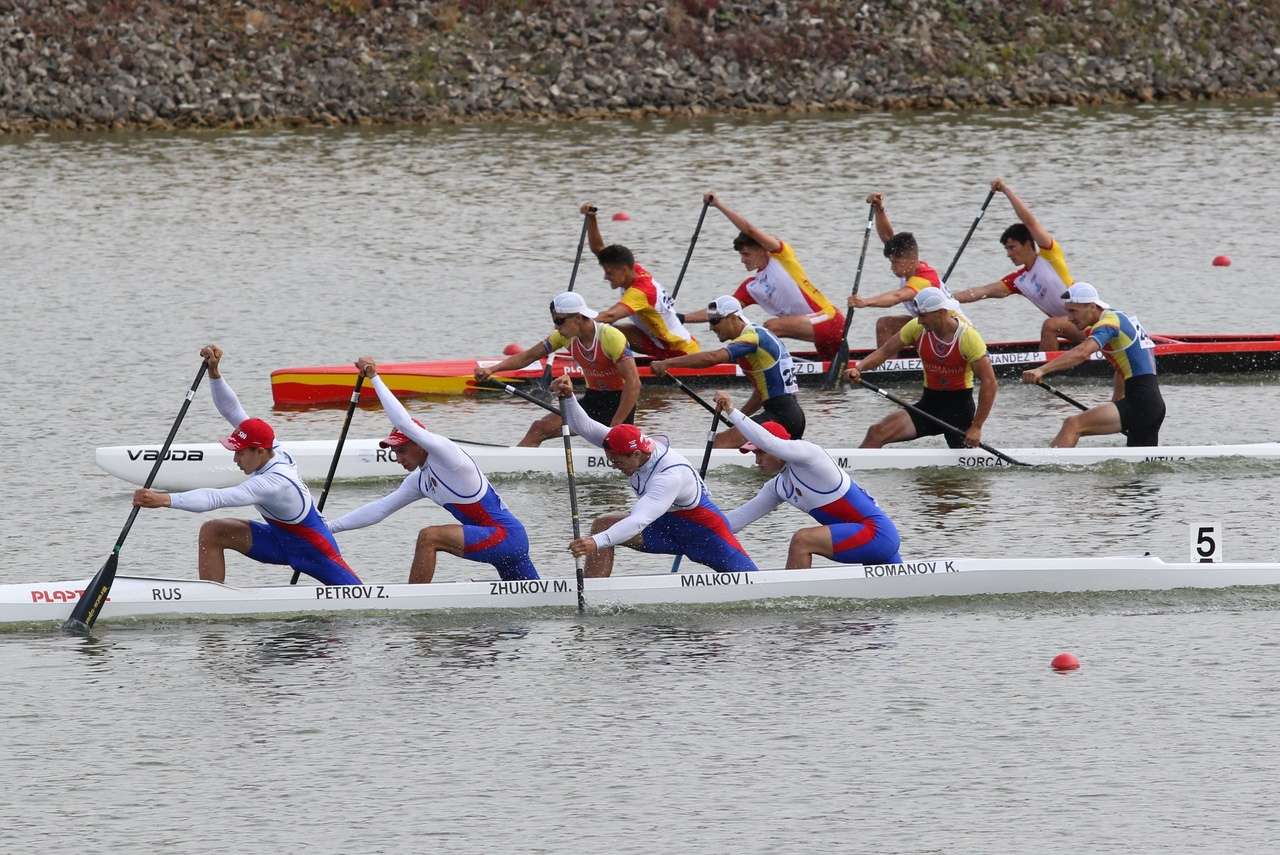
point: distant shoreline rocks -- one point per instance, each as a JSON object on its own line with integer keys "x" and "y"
{"x": 82, "y": 65}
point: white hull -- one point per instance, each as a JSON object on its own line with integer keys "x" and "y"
{"x": 133, "y": 597}
{"x": 210, "y": 465}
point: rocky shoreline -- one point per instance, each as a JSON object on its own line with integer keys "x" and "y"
{"x": 90, "y": 65}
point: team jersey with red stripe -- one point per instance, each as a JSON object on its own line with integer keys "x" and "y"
{"x": 1044, "y": 282}
{"x": 924, "y": 277}
{"x": 667, "y": 486}
{"x": 810, "y": 481}
{"x": 655, "y": 314}
{"x": 948, "y": 365}
{"x": 1124, "y": 343}
{"x": 450, "y": 477}
{"x": 599, "y": 360}
{"x": 782, "y": 287}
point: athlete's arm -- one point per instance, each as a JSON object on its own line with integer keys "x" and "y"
{"x": 1117, "y": 387}
{"x": 576, "y": 417}
{"x": 756, "y": 507}
{"x": 885, "y": 300}
{"x": 1068, "y": 360}
{"x": 444, "y": 451}
{"x": 701, "y": 359}
{"x": 752, "y": 403}
{"x": 766, "y": 240}
{"x": 884, "y": 228}
{"x": 630, "y": 389}
{"x": 698, "y": 316}
{"x": 888, "y": 350}
{"x": 223, "y": 397}
{"x": 267, "y": 489}
{"x": 616, "y": 312}
{"x": 994, "y": 291}
{"x": 512, "y": 363}
{"x": 788, "y": 450}
{"x": 379, "y": 509}
{"x": 986, "y": 376}
{"x": 594, "y": 239}
{"x": 660, "y": 494}
{"x": 1039, "y": 234}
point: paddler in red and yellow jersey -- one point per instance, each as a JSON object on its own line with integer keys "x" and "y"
{"x": 1042, "y": 277}
{"x": 779, "y": 285}
{"x": 645, "y": 313}
{"x": 953, "y": 353}
{"x": 601, "y": 351}
{"x": 914, "y": 276}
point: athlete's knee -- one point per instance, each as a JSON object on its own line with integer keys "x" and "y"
{"x": 599, "y": 524}
{"x": 431, "y": 536}
{"x": 218, "y": 532}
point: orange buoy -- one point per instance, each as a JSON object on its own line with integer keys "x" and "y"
{"x": 1065, "y": 662}
{"x": 621, "y": 216}
{"x": 1221, "y": 261}
{"x": 512, "y": 349}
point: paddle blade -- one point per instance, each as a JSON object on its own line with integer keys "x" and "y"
{"x": 838, "y": 363}
{"x": 92, "y": 600}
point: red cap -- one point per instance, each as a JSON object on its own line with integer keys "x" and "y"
{"x": 251, "y": 433}
{"x": 774, "y": 428}
{"x": 626, "y": 439}
{"x": 395, "y": 439}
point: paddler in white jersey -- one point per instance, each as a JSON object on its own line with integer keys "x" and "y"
{"x": 1042, "y": 277}
{"x": 439, "y": 470}
{"x": 853, "y": 529}
{"x": 294, "y": 533}
{"x": 673, "y": 514}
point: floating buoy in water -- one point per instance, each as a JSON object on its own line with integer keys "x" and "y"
{"x": 512, "y": 349}
{"x": 1221, "y": 261}
{"x": 621, "y": 216}
{"x": 1065, "y": 662}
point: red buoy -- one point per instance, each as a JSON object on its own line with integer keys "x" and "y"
{"x": 512, "y": 349}
{"x": 1065, "y": 662}
{"x": 1221, "y": 261}
{"x": 621, "y": 216}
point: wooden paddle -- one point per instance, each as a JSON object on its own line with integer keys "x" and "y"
{"x": 911, "y": 408}
{"x": 973, "y": 228}
{"x": 90, "y": 604}
{"x": 716, "y": 418}
{"x": 689, "y": 254}
{"x": 842, "y": 355}
{"x": 337, "y": 454}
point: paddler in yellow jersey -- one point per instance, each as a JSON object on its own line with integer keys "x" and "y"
{"x": 914, "y": 276}
{"x": 953, "y": 353}
{"x": 644, "y": 313}
{"x": 1042, "y": 276}
{"x": 601, "y": 351}
{"x": 779, "y": 285}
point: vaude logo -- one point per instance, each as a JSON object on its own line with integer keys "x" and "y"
{"x": 193, "y": 454}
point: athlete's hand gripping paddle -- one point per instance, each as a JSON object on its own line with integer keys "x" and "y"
{"x": 90, "y": 604}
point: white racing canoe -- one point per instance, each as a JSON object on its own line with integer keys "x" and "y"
{"x": 188, "y": 467}
{"x": 140, "y": 597}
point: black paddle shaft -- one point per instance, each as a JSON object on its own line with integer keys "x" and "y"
{"x": 1063, "y": 395}
{"x": 573, "y": 512}
{"x": 337, "y": 455}
{"x": 973, "y": 228}
{"x": 95, "y": 594}
{"x": 939, "y": 422}
{"x": 573, "y": 278}
{"x": 842, "y": 355}
{"x": 689, "y": 253}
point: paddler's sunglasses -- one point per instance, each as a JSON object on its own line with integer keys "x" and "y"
{"x": 712, "y": 320}
{"x": 560, "y": 319}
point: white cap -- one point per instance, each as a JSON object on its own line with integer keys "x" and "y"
{"x": 723, "y": 307}
{"x": 1084, "y": 293}
{"x": 570, "y": 303}
{"x": 933, "y": 299}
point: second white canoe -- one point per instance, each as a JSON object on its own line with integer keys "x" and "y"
{"x": 191, "y": 466}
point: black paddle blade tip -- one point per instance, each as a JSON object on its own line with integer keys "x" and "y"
{"x": 72, "y": 626}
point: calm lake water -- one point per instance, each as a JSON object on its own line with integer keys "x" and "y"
{"x": 890, "y": 727}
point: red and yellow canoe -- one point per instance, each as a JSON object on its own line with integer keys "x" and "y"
{"x": 328, "y": 385}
